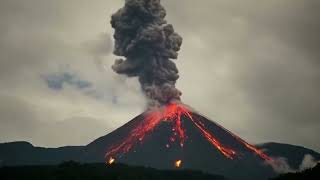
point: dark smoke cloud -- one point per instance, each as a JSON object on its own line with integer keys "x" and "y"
{"x": 144, "y": 38}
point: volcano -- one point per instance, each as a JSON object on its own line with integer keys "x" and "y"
{"x": 170, "y": 135}
{"x": 177, "y": 137}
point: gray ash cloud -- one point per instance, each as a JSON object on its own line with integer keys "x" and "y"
{"x": 148, "y": 44}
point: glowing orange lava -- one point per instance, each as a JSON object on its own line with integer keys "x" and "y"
{"x": 173, "y": 113}
{"x": 178, "y": 163}
{"x": 249, "y": 146}
{"x": 111, "y": 160}
{"x": 229, "y": 153}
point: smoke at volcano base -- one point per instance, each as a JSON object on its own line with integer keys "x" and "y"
{"x": 148, "y": 43}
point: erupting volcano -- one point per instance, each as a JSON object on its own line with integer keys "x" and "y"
{"x": 173, "y": 114}
{"x": 169, "y": 134}
{"x": 177, "y": 137}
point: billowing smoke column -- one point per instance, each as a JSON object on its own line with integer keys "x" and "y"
{"x": 148, "y": 44}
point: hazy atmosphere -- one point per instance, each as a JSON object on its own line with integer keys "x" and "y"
{"x": 251, "y": 66}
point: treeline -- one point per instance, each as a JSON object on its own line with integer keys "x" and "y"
{"x": 77, "y": 171}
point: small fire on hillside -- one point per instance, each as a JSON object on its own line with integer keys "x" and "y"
{"x": 178, "y": 163}
{"x": 173, "y": 113}
{"x": 111, "y": 160}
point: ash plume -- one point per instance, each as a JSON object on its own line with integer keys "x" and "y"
{"x": 148, "y": 44}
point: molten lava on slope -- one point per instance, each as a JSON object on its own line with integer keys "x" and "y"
{"x": 173, "y": 114}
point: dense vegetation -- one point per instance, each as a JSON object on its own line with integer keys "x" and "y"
{"x": 76, "y": 171}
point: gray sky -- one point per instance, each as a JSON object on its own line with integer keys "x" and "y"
{"x": 252, "y": 66}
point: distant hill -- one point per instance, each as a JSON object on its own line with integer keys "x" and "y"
{"x": 309, "y": 174}
{"x": 24, "y": 153}
{"x": 76, "y": 171}
{"x": 294, "y": 154}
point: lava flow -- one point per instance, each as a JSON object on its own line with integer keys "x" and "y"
{"x": 172, "y": 113}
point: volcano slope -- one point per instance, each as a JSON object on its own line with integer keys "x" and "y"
{"x": 176, "y": 137}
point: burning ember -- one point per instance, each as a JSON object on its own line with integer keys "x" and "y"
{"x": 111, "y": 160}
{"x": 172, "y": 113}
{"x": 178, "y": 163}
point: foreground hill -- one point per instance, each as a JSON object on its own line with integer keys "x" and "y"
{"x": 73, "y": 170}
{"x": 76, "y": 171}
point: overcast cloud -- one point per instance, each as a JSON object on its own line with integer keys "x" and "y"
{"x": 254, "y": 68}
